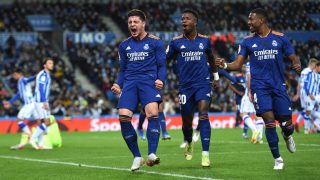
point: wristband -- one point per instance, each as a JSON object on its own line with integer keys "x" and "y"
{"x": 215, "y": 76}
{"x": 225, "y": 66}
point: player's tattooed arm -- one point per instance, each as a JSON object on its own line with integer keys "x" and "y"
{"x": 296, "y": 64}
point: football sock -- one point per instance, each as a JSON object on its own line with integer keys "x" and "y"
{"x": 163, "y": 125}
{"x": 248, "y": 121}
{"x": 40, "y": 140}
{"x": 40, "y": 129}
{"x": 187, "y": 133}
{"x": 307, "y": 122}
{"x": 259, "y": 125}
{"x": 153, "y": 134}
{"x": 245, "y": 129}
{"x": 142, "y": 117}
{"x": 205, "y": 131}
{"x": 272, "y": 138}
{"x": 24, "y": 127}
{"x": 129, "y": 135}
{"x": 301, "y": 115}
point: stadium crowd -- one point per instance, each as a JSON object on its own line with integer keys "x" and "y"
{"x": 227, "y": 16}
{"x": 100, "y": 62}
{"x": 69, "y": 16}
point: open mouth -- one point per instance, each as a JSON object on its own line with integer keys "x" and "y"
{"x": 133, "y": 30}
{"x": 184, "y": 26}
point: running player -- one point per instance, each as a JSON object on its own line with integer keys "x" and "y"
{"x": 312, "y": 90}
{"x": 302, "y": 93}
{"x": 192, "y": 52}
{"x": 141, "y": 77}
{"x": 247, "y": 108}
{"x": 24, "y": 93}
{"x": 266, "y": 49}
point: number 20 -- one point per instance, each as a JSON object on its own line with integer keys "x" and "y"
{"x": 182, "y": 99}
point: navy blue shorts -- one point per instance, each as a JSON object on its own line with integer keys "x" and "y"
{"x": 275, "y": 100}
{"x": 135, "y": 92}
{"x": 189, "y": 98}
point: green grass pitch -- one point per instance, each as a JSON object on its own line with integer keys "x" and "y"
{"x": 104, "y": 155}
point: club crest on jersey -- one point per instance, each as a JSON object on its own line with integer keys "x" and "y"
{"x": 274, "y": 43}
{"x": 201, "y": 46}
{"x": 146, "y": 47}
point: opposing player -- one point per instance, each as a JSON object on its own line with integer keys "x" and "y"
{"x": 312, "y": 90}
{"x": 140, "y": 79}
{"x": 247, "y": 109}
{"x": 163, "y": 125}
{"x": 266, "y": 49}
{"x": 42, "y": 108}
{"x": 302, "y": 93}
{"x": 237, "y": 85}
{"x": 24, "y": 93}
{"x": 192, "y": 52}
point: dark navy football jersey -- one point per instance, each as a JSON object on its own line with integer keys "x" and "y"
{"x": 142, "y": 59}
{"x": 266, "y": 59}
{"x": 240, "y": 86}
{"x": 191, "y": 56}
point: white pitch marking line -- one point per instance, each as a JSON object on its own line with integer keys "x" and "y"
{"x": 175, "y": 154}
{"x": 105, "y": 167}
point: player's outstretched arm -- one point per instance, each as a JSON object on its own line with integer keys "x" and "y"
{"x": 235, "y": 65}
{"x": 235, "y": 90}
{"x": 13, "y": 99}
{"x": 30, "y": 79}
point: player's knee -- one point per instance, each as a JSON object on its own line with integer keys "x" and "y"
{"x": 125, "y": 118}
{"x": 151, "y": 111}
{"x": 270, "y": 124}
{"x": 203, "y": 116}
{"x": 152, "y": 114}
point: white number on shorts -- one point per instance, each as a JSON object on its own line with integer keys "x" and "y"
{"x": 255, "y": 98}
{"x": 182, "y": 99}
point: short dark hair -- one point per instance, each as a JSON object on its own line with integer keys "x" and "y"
{"x": 18, "y": 70}
{"x": 46, "y": 59}
{"x": 194, "y": 13}
{"x": 139, "y": 13}
{"x": 318, "y": 63}
{"x": 261, "y": 12}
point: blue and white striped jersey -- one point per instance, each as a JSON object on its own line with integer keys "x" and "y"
{"x": 24, "y": 91}
{"x": 43, "y": 83}
{"x": 303, "y": 77}
{"x": 312, "y": 83}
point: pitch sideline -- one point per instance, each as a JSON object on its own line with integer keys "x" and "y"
{"x": 104, "y": 167}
